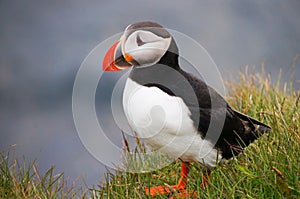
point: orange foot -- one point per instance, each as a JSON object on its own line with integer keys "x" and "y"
{"x": 153, "y": 191}
{"x": 179, "y": 192}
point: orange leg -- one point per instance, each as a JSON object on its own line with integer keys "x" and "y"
{"x": 186, "y": 194}
{"x": 153, "y": 191}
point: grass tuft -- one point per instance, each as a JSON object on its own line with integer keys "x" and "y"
{"x": 20, "y": 179}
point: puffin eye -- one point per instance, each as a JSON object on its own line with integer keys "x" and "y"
{"x": 143, "y": 37}
{"x": 139, "y": 41}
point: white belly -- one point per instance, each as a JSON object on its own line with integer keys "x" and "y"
{"x": 164, "y": 122}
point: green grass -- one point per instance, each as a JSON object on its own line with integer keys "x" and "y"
{"x": 20, "y": 179}
{"x": 268, "y": 168}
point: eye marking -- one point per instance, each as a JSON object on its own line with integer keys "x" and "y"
{"x": 139, "y": 41}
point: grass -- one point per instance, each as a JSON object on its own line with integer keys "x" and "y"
{"x": 20, "y": 179}
{"x": 268, "y": 168}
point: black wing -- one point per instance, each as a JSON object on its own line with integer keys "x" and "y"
{"x": 237, "y": 130}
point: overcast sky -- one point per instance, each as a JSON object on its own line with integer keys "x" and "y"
{"x": 43, "y": 43}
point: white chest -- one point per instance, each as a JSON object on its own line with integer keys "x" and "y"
{"x": 164, "y": 122}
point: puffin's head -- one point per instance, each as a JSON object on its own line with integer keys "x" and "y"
{"x": 142, "y": 44}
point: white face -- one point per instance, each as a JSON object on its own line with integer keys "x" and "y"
{"x": 145, "y": 47}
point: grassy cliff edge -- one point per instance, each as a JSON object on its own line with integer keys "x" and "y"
{"x": 268, "y": 168}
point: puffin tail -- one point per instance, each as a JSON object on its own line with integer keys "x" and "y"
{"x": 263, "y": 128}
{"x": 254, "y": 125}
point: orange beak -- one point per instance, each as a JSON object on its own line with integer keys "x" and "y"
{"x": 114, "y": 60}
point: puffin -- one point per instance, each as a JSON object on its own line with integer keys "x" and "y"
{"x": 174, "y": 111}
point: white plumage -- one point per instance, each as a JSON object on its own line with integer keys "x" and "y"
{"x": 163, "y": 121}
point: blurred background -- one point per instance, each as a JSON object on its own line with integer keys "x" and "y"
{"x": 43, "y": 43}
